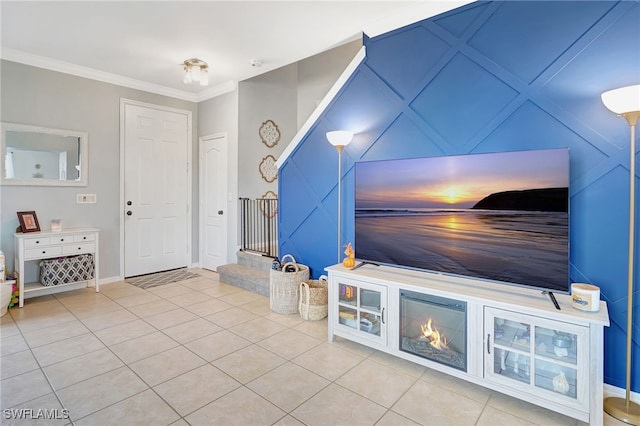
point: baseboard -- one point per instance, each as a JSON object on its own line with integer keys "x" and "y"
{"x": 110, "y": 280}
{"x": 610, "y": 390}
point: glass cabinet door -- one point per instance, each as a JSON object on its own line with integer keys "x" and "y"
{"x": 361, "y": 308}
{"x": 556, "y": 361}
{"x": 512, "y": 355}
{"x": 539, "y": 353}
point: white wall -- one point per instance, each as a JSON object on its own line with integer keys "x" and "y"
{"x": 220, "y": 115}
{"x": 270, "y": 96}
{"x": 40, "y": 97}
{"x": 318, "y": 73}
{"x": 287, "y": 96}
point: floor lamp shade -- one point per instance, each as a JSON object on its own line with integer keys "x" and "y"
{"x": 339, "y": 139}
{"x": 625, "y": 101}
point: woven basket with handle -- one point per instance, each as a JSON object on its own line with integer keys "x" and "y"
{"x": 314, "y": 296}
{"x": 284, "y": 287}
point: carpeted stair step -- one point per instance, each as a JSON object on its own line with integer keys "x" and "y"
{"x": 256, "y": 261}
{"x": 246, "y": 277}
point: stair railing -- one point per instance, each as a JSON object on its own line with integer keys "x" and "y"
{"x": 259, "y": 226}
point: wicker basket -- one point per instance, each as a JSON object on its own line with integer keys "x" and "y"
{"x": 314, "y": 296}
{"x": 284, "y": 287}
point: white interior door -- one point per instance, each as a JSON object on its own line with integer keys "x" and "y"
{"x": 156, "y": 186}
{"x": 213, "y": 201}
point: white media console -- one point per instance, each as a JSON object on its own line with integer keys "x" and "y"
{"x": 509, "y": 339}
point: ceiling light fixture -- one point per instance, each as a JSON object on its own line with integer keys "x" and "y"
{"x": 196, "y": 70}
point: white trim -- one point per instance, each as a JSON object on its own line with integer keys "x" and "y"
{"x": 93, "y": 74}
{"x": 215, "y": 91}
{"x": 610, "y": 390}
{"x": 324, "y": 103}
{"x": 123, "y": 102}
{"x": 110, "y": 280}
{"x": 411, "y": 15}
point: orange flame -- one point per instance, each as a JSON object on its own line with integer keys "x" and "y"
{"x": 433, "y": 335}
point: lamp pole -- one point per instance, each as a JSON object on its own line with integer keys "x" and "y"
{"x": 339, "y": 148}
{"x": 626, "y": 102}
{"x": 339, "y": 139}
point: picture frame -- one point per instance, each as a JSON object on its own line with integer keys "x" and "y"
{"x": 28, "y": 221}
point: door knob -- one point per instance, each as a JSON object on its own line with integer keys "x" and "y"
{"x": 129, "y": 213}
{"x": 220, "y": 212}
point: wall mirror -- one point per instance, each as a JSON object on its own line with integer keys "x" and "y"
{"x": 40, "y": 156}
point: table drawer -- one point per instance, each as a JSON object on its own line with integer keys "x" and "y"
{"x": 61, "y": 239}
{"x": 42, "y": 252}
{"x": 83, "y": 237}
{"x": 36, "y": 242}
{"x": 79, "y": 248}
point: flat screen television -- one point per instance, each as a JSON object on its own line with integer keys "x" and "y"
{"x": 501, "y": 217}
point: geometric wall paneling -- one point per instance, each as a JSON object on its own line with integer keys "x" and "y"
{"x": 616, "y": 338}
{"x": 459, "y": 101}
{"x": 402, "y": 139}
{"x": 400, "y": 60}
{"x": 317, "y": 238}
{"x": 557, "y": 27}
{"x": 618, "y": 317}
{"x": 515, "y": 76}
{"x": 459, "y": 21}
{"x": 318, "y": 161}
{"x": 363, "y": 103}
{"x": 293, "y": 199}
{"x": 620, "y": 28}
{"x": 600, "y": 205}
{"x": 530, "y": 127}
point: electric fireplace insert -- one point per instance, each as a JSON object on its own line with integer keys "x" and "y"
{"x": 434, "y": 328}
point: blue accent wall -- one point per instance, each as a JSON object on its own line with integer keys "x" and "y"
{"x": 488, "y": 77}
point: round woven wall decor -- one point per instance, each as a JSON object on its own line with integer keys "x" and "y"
{"x": 268, "y": 168}
{"x": 269, "y": 133}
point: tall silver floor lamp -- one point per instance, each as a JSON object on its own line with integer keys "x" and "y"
{"x": 625, "y": 101}
{"x": 339, "y": 139}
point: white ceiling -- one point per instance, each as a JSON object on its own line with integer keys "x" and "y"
{"x": 142, "y": 44}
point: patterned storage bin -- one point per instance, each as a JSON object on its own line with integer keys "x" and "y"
{"x": 65, "y": 270}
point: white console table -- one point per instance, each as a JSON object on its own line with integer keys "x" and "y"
{"x": 513, "y": 334}
{"x": 35, "y": 246}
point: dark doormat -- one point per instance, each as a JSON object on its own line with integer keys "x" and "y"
{"x": 161, "y": 278}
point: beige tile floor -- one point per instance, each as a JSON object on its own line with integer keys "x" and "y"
{"x": 200, "y": 352}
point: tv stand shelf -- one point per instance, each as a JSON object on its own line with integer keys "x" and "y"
{"x": 517, "y": 342}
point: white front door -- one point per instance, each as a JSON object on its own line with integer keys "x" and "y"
{"x": 213, "y": 201}
{"x": 156, "y": 186}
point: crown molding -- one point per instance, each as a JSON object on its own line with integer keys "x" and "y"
{"x": 93, "y": 74}
{"x": 215, "y": 91}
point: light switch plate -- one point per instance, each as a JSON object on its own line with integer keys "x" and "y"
{"x": 86, "y": 198}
